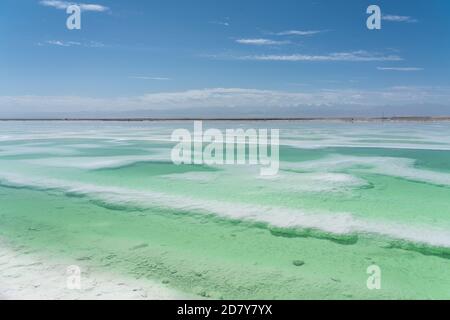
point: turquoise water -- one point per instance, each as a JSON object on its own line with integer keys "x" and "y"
{"x": 347, "y": 196}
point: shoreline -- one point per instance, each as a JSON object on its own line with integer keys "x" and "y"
{"x": 342, "y": 119}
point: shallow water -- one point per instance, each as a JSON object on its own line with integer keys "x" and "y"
{"x": 348, "y": 195}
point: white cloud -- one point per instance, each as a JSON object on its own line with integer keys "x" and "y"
{"x": 395, "y": 18}
{"x": 221, "y": 23}
{"x": 354, "y": 56}
{"x": 64, "y": 4}
{"x": 261, "y": 42}
{"x": 61, "y": 43}
{"x": 298, "y": 33}
{"x": 222, "y": 98}
{"x": 405, "y": 69}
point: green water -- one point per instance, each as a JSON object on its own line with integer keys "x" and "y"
{"x": 347, "y": 196}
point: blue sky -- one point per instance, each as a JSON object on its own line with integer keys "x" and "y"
{"x": 225, "y": 57}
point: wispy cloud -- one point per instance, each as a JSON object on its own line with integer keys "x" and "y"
{"x": 395, "y": 18}
{"x": 354, "y": 56}
{"x": 298, "y": 32}
{"x": 261, "y": 42}
{"x": 150, "y": 78}
{"x": 225, "y": 22}
{"x": 61, "y": 43}
{"x": 237, "y": 98}
{"x": 83, "y": 6}
{"x": 404, "y": 69}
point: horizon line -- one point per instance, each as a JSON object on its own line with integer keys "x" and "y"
{"x": 346, "y": 119}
